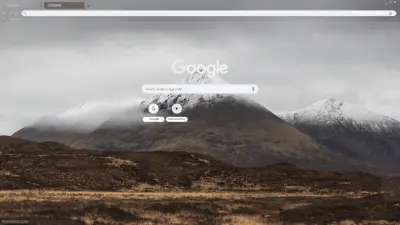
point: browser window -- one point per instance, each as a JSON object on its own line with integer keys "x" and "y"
{"x": 199, "y": 112}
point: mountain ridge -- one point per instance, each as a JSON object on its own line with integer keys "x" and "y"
{"x": 229, "y": 128}
{"x": 332, "y": 111}
{"x": 351, "y": 130}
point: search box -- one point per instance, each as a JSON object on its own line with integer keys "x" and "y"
{"x": 208, "y": 13}
{"x": 200, "y": 89}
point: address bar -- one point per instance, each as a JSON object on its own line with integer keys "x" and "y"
{"x": 208, "y": 13}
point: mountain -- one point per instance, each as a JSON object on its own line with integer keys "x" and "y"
{"x": 334, "y": 112}
{"x": 350, "y": 130}
{"x": 229, "y": 128}
{"x": 165, "y": 101}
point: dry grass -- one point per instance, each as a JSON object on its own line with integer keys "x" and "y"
{"x": 120, "y": 162}
{"x": 55, "y": 195}
{"x": 243, "y": 219}
{"x": 7, "y": 173}
{"x": 377, "y": 222}
{"x": 179, "y": 208}
{"x": 180, "y": 188}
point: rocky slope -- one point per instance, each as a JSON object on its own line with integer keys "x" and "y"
{"x": 351, "y": 130}
{"x": 334, "y": 112}
{"x": 49, "y": 165}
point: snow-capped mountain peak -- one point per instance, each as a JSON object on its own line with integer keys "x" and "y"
{"x": 331, "y": 111}
{"x": 166, "y": 101}
{"x": 338, "y": 109}
{"x": 197, "y": 78}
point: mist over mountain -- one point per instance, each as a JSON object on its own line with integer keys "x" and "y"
{"x": 75, "y": 123}
{"x": 89, "y": 116}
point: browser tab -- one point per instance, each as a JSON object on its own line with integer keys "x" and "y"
{"x": 64, "y": 5}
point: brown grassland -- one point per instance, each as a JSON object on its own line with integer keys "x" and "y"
{"x": 185, "y": 207}
{"x": 236, "y": 208}
{"x": 50, "y": 184}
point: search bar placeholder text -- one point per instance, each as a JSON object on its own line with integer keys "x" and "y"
{"x": 200, "y": 89}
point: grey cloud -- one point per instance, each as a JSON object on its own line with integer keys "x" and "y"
{"x": 89, "y": 116}
{"x": 47, "y": 69}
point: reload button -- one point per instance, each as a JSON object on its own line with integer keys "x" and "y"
{"x": 153, "y": 119}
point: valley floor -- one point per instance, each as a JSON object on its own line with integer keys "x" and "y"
{"x": 185, "y": 207}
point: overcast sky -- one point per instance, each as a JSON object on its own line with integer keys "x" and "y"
{"x": 47, "y": 68}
